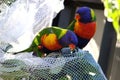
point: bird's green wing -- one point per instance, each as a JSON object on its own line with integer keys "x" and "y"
{"x": 36, "y": 41}
{"x": 59, "y": 31}
{"x": 71, "y": 25}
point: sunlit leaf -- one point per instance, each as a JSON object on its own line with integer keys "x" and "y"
{"x": 112, "y": 12}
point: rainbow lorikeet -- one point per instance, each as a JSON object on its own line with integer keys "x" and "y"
{"x": 52, "y": 39}
{"x": 84, "y": 25}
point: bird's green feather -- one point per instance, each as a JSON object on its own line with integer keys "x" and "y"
{"x": 93, "y": 15}
{"x": 59, "y": 31}
{"x": 71, "y": 25}
{"x": 36, "y": 41}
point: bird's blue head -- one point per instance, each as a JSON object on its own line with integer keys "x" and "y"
{"x": 86, "y": 14}
{"x": 68, "y": 38}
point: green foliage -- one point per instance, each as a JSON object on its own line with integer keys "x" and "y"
{"x": 112, "y": 12}
{"x": 8, "y": 2}
{"x": 11, "y": 69}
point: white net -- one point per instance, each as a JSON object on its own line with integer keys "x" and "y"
{"x": 23, "y": 19}
{"x": 79, "y": 65}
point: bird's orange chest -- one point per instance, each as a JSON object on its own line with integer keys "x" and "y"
{"x": 50, "y": 41}
{"x": 86, "y": 31}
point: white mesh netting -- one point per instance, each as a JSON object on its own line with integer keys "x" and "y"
{"x": 23, "y": 19}
{"x": 79, "y": 65}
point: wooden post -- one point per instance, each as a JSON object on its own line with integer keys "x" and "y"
{"x": 107, "y": 48}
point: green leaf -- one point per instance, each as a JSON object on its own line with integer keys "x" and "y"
{"x": 16, "y": 75}
{"x": 112, "y": 11}
{"x": 9, "y": 2}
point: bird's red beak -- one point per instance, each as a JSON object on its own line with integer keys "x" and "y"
{"x": 77, "y": 16}
{"x": 72, "y": 46}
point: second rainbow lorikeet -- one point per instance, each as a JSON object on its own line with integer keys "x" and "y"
{"x": 52, "y": 39}
{"x": 84, "y": 25}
